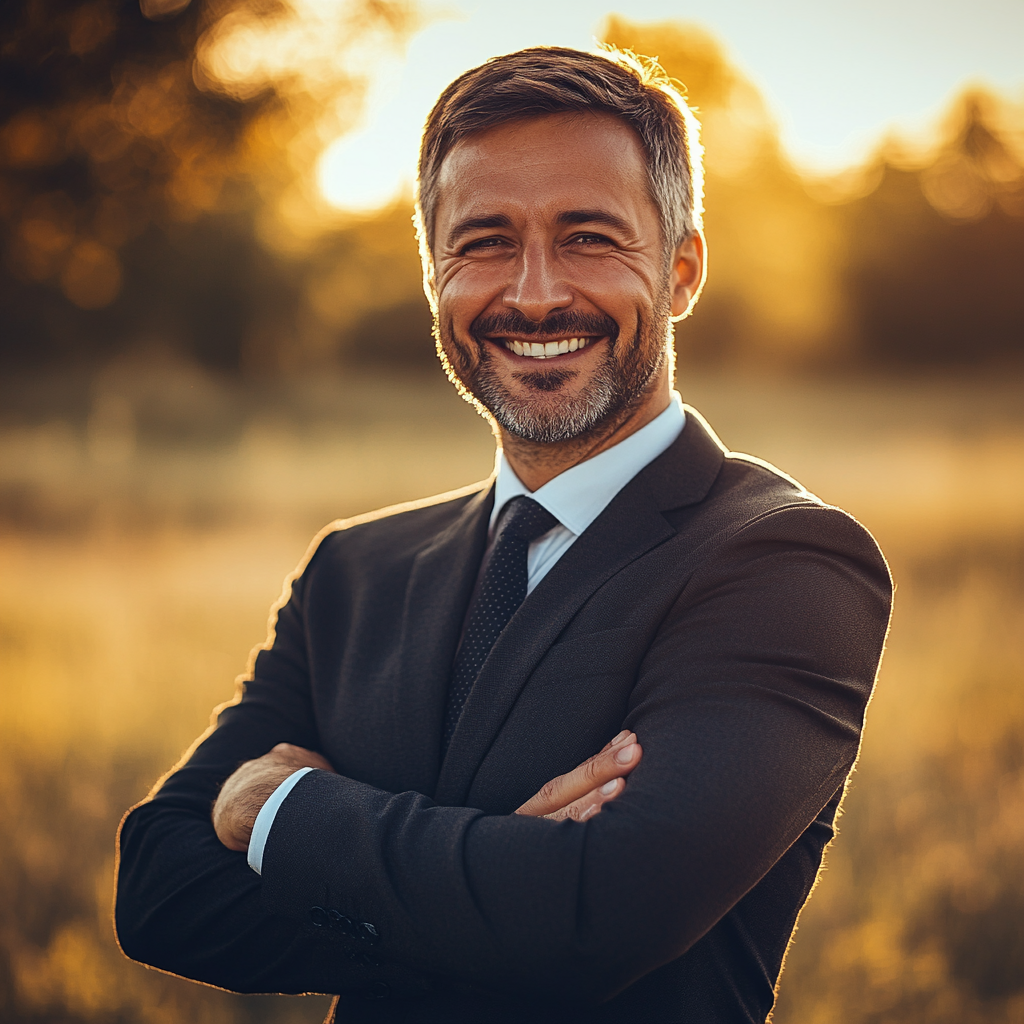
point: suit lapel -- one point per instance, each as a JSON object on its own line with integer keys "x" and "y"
{"x": 630, "y": 526}
{"x": 440, "y": 584}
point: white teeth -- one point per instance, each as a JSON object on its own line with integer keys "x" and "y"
{"x": 546, "y": 350}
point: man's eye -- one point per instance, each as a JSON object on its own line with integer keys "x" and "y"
{"x": 590, "y": 239}
{"x": 483, "y": 243}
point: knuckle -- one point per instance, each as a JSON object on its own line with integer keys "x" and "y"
{"x": 548, "y": 791}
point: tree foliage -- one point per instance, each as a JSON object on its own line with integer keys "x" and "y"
{"x": 135, "y": 182}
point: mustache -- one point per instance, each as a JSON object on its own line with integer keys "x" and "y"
{"x": 566, "y": 324}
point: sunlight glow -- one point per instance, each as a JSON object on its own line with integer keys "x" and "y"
{"x": 369, "y": 168}
{"x": 835, "y": 77}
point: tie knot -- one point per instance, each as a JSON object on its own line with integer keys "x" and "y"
{"x": 526, "y": 519}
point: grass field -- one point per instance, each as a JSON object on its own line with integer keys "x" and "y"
{"x": 142, "y": 545}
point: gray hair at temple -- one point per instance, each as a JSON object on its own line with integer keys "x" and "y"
{"x": 549, "y": 80}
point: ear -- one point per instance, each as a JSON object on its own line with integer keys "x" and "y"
{"x": 687, "y": 278}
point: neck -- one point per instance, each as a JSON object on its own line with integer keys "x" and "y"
{"x": 536, "y": 463}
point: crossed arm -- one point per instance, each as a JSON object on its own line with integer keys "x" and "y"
{"x": 578, "y": 794}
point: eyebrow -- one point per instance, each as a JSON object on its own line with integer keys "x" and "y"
{"x": 566, "y": 217}
{"x": 494, "y": 220}
{"x": 572, "y": 217}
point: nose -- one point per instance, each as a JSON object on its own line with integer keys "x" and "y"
{"x": 537, "y": 288}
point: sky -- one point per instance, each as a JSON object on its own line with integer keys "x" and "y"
{"x": 836, "y": 74}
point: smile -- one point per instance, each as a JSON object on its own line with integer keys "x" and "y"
{"x": 546, "y": 349}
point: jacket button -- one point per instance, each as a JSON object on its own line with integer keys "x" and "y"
{"x": 318, "y": 916}
{"x": 368, "y": 933}
{"x": 379, "y": 990}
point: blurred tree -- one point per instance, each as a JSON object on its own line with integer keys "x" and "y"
{"x": 935, "y": 260}
{"x": 364, "y": 287}
{"x": 141, "y": 148}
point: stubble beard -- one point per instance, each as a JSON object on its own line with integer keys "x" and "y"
{"x": 547, "y": 409}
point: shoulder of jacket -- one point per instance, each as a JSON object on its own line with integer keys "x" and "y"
{"x": 388, "y": 529}
{"x": 748, "y": 472}
{"x": 435, "y": 507}
{"x": 747, "y": 488}
{"x": 394, "y": 523}
{"x": 768, "y": 502}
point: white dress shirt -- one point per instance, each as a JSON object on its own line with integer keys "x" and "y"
{"x": 575, "y": 498}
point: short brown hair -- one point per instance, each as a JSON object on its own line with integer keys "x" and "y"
{"x": 554, "y": 79}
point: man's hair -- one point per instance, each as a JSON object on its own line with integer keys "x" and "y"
{"x": 552, "y": 79}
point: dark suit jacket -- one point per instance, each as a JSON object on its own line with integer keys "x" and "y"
{"x": 715, "y": 607}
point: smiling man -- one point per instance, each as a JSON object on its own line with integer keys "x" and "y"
{"x": 547, "y": 249}
{"x": 566, "y": 745}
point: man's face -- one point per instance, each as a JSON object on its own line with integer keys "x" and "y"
{"x": 553, "y": 287}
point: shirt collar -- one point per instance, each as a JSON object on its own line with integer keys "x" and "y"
{"x": 580, "y": 494}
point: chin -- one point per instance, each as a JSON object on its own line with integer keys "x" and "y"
{"x": 548, "y": 415}
{"x": 555, "y": 403}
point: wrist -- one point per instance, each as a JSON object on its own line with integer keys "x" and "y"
{"x": 267, "y": 815}
{"x": 242, "y": 798}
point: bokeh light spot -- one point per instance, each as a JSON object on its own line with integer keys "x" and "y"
{"x": 91, "y": 278}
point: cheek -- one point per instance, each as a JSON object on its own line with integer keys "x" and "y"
{"x": 457, "y": 311}
{"x": 462, "y": 354}
{"x": 468, "y": 291}
{"x": 613, "y": 284}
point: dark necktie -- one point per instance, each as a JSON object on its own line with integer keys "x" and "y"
{"x": 501, "y": 592}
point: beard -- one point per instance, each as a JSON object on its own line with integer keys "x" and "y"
{"x": 547, "y": 408}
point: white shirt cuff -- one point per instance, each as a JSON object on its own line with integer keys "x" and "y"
{"x": 265, "y": 819}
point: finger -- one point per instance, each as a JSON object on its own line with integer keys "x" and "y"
{"x": 299, "y": 757}
{"x": 586, "y": 807}
{"x": 615, "y": 741}
{"x": 617, "y": 761}
{"x": 564, "y": 789}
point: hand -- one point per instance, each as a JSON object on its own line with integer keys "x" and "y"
{"x": 580, "y": 794}
{"x": 250, "y": 786}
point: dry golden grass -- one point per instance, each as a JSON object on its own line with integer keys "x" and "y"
{"x": 134, "y": 581}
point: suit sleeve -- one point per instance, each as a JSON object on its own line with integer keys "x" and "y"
{"x": 188, "y": 905}
{"x": 749, "y": 703}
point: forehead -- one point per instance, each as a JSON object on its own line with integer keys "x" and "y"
{"x": 540, "y": 165}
